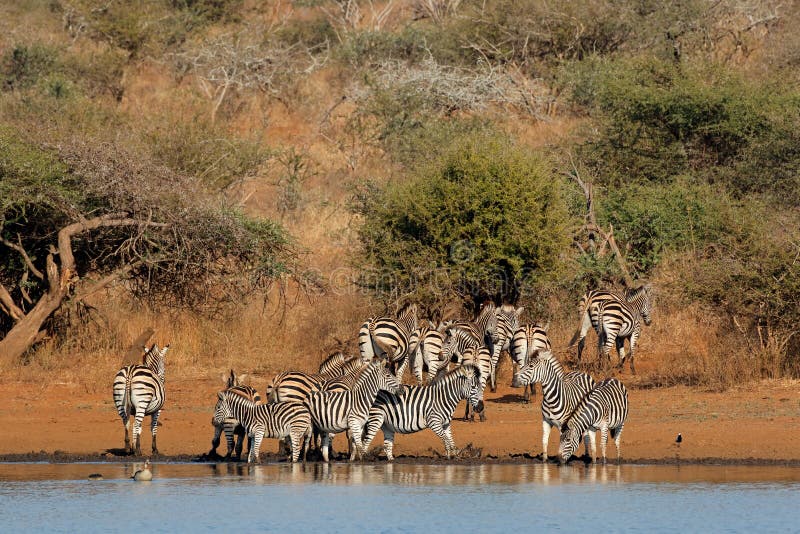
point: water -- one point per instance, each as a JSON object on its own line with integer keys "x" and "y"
{"x": 399, "y": 498}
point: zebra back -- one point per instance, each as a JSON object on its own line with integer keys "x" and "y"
{"x": 459, "y": 339}
{"x": 527, "y": 341}
{"x": 292, "y": 386}
{"x": 332, "y": 364}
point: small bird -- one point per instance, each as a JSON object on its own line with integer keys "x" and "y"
{"x": 95, "y": 476}
{"x": 679, "y": 438}
{"x": 143, "y": 474}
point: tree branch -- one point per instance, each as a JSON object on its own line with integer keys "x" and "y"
{"x": 18, "y": 247}
{"x": 8, "y": 305}
{"x": 105, "y": 281}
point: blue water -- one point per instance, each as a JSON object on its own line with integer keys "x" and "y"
{"x": 399, "y": 498}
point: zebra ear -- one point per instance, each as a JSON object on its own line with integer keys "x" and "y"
{"x": 220, "y": 395}
{"x": 519, "y": 311}
{"x": 240, "y": 379}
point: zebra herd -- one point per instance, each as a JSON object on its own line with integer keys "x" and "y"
{"x": 362, "y": 394}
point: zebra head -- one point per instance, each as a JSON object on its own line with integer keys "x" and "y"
{"x": 154, "y": 359}
{"x": 222, "y": 410}
{"x": 570, "y": 440}
{"x": 641, "y": 299}
{"x": 386, "y": 380}
{"x": 534, "y": 371}
{"x": 472, "y": 384}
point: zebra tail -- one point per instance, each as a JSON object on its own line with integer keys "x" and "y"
{"x": 584, "y": 310}
{"x": 365, "y": 345}
{"x": 575, "y": 338}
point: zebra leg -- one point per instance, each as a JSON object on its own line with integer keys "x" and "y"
{"x": 239, "y": 434}
{"x": 603, "y": 440}
{"x": 153, "y": 429}
{"x": 326, "y": 445}
{"x": 355, "y": 438}
{"x": 215, "y": 440}
{"x": 308, "y": 435}
{"x": 634, "y": 339}
{"x": 493, "y": 372}
{"x": 297, "y": 434}
{"x": 374, "y": 423}
{"x": 620, "y": 343}
{"x": 616, "y": 434}
{"x": 388, "y": 444}
{"x": 126, "y": 422}
{"x": 254, "y": 457}
{"x": 545, "y": 439}
{"x": 449, "y": 443}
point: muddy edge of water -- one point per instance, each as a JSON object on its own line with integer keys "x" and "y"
{"x": 469, "y": 459}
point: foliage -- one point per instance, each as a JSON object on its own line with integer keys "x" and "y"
{"x": 188, "y": 247}
{"x": 484, "y": 220}
{"x": 23, "y": 65}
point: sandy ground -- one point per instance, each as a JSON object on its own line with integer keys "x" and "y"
{"x": 755, "y": 423}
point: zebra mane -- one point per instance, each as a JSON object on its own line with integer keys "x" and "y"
{"x": 467, "y": 370}
{"x": 636, "y": 292}
{"x": 407, "y": 318}
{"x": 154, "y": 358}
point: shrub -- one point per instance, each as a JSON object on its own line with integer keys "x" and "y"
{"x": 486, "y": 220}
{"x": 24, "y": 65}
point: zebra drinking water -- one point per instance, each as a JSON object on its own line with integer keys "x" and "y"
{"x": 561, "y": 392}
{"x": 423, "y": 407}
{"x": 336, "y": 411}
{"x": 605, "y": 408}
{"x": 231, "y": 426}
{"x": 277, "y": 420}
{"x": 139, "y": 391}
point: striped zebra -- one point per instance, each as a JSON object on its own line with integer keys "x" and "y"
{"x": 390, "y": 338}
{"x": 139, "y": 391}
{"x": 293, "y": 386}
{"x": 428, "y": 342}
{"x": 481, "y": 358}
{"x": 232, "y": 427}
{"x": 336, "y": 411}
{"x": 605, "y": 408}
{"x": 618, "y": 321}
{"x": 423, "y": 407}
{"x": 528, "y": 341}
{"x": 483, "y": 329}
{"x": 507, "y": 322}
{"x": 561, "y": 392}
{"x": 589, "y": 306}
{"x": 277, "y": 420}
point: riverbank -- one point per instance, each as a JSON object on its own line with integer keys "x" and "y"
{"x": 756, "y": 424}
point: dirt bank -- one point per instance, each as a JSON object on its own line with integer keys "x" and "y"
{"x": 755, "y": 424}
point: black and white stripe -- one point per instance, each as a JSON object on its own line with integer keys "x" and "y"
{"x": 605, "y": 408}
{"x": 390, "y": 338}
{"x": 506, "y": 324}
{"x": 293, "y": 386}
{"x": 618, "y": 321}
{"x": 561, "y": 392}
{"x": 481, "y": 358}
{"x": 277, "y": 420}
{"x": 528, "y": 341}
{"x": 231, "y": 426}
{"x": 336, "y": 411}
{"x": 423, "y": 407}
{"x": 639, "y": 298}
{"x": 428, "y": 342}
{"x": 139, "y": 391}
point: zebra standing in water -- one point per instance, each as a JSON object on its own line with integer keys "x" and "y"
{"x": 639, "y": 298}
{"x": 423, "y": 407}
{"x": 336, "y": 411}
{"x": 528, "y": 341}
{"x": 390, "y": 337}
{"x": 139, "y": 391}
{"x": 561, "y": 392}
{"x": 277, "y": 420}
{"x": 231, "y": 426}
{"x": 605, "y": 408}
{"x": 618, "y": 321}
{"x": 507, "y": 322}
{"x": 428, "y": 342}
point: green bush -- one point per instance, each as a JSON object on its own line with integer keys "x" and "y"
{"x": 487, "y": 219}
{"x": 23, "y": 65}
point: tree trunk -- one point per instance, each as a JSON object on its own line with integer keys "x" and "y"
{"x": 26, "y": 332}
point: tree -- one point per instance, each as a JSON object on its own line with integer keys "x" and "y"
{"x": 485, "y": 221}
{"x": 76, "y": 218}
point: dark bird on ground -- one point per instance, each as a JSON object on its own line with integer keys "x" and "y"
{"x": 679, "y": 438}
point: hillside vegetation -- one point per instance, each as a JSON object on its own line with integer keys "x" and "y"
{"x": 276, "y": 171}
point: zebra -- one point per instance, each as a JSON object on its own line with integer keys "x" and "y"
{"x": 481, "y": 358}
{"x": 618, "y": 321}
{"x": 640, "y": 297}
{"x": 293, "y": 386}
{"x": 428, "y": 342}
{"x": 336, "y": 411}
{"x": 390, "y": 337}
{"x": 483, "y": 329}
{"x": 507, "y": 322}
{"x": 423, "y": 407}
{"x": 277, "y": 420}
{"x": 139, "y": 391}
{"x": 604, "y": 408}
{"x": 561, "y": 392}
{"x": 232, "y": 427}
{"x": 528, "y": 341}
